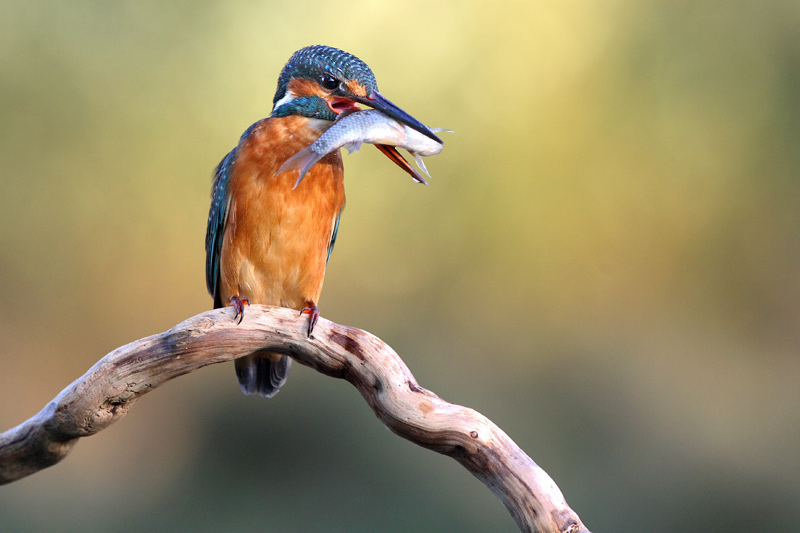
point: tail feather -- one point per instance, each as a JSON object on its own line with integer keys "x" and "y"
{"x": 262, "y": 373}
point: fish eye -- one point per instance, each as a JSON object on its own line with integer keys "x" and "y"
{"x": 328, "y": 82}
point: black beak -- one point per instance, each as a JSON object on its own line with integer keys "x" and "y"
{"x": 377, "y": 101}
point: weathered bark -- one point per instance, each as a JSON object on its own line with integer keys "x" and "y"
{"x": 105, "y": 393}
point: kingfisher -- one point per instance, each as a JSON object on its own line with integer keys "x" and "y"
{"x": 266, "y": 241}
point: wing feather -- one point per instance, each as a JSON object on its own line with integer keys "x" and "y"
{"x": 333, "y": 236}
{"x": 217, "y": 215}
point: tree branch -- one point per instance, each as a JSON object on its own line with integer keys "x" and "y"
{"x": 105, "y": 393}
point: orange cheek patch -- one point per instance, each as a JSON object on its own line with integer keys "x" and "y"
{"x": 301, "y": 87}
{"x": 356, "y": 88}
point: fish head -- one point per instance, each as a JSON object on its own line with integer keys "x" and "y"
{"x": 377, "y": 101}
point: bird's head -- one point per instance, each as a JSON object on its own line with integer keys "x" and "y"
{"x": 321, "y": 82}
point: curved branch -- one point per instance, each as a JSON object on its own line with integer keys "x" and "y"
{"x": 105, "y": 393}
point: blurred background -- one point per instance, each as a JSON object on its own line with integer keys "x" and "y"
{"x": 606, "y": 262}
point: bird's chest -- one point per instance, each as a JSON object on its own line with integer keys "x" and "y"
{"x": 277, "y": 238}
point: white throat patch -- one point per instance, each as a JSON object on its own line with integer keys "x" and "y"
{"x": 315, "y": 123}
{"x": 288, "y": 97}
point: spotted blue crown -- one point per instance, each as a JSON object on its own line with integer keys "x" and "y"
{"x": 312, "y": 62}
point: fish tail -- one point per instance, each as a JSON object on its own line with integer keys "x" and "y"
{"x": 302, "y": 161}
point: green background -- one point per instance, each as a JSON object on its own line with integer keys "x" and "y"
{"x": 606, "y": 262}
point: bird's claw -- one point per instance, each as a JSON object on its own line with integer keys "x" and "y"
{"x": 238, "y": 306}
{"x": 313, "y": 311}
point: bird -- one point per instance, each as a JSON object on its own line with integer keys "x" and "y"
{"x": 266, "y": 241}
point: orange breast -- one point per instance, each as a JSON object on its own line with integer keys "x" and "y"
{"x": 276, "y": 239}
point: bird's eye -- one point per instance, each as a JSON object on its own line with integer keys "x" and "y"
{"x": 328, "y": 82}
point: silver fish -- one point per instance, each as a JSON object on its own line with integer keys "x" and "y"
{"x": 367, "y": 126}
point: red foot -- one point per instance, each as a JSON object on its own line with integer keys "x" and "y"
{"x": 238, "y": 306}
{"x": 313, "y": 311}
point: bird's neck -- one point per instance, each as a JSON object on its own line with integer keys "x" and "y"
{"x": 306, "y": 106}
{"x": 268, "y": 143}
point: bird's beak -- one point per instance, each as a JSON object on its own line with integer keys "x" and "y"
{"x": 377, "y": 101}
{"x": 398, "y": 159}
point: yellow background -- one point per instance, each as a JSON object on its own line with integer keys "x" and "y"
{"x": 606, "y": 262}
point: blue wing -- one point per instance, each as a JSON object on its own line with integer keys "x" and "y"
{"x": 333, "y": 236}
{"x": 217, "y": 215}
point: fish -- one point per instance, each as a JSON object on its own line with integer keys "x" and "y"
{"x": 352, "y": 129}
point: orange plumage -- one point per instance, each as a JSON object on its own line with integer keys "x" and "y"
{"x": 276, "y": 242}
